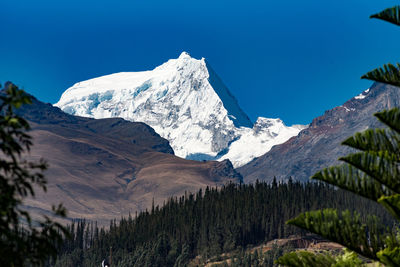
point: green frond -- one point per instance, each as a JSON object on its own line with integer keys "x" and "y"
{"x": 374, "y": 173}
{"x": 352, "y": 179}
{"x": 391, "y": 15}
{"x": 388, "y": 74}
{"x": 391, "y": 118}
{"x": 305, "y": 259}
{"x": 381, "y": 166}
{"x": 348, "y": 259}
{"x": 390, "y": 256}
{"x": 344, "y": 228}
{"x": 392, "y": 204}
{"x": 374, "y": 140}
{"x": 393, "y": 239}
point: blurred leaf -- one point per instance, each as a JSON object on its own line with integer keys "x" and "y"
{"x": 391, "y": 15}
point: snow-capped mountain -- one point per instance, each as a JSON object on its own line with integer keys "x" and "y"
{"x": 186, "y": 102}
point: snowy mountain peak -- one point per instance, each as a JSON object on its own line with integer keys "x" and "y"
{"x": 184, "y": 55}
{"x": 183, "y": 99}
{"x": 182, "y": 63}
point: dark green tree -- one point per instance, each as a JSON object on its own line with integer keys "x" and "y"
{"x": 184, "y": 258}
{"x": 23, "y": 241}
{"x": 224, "y": 220}
{"x": 372, "y": 172}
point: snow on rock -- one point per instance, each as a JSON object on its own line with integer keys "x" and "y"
{"x": 362, "y": 95}
{"x": 185, "y": 102}
{"x": 255, "y": 142}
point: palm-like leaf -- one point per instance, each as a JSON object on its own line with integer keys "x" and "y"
{"x": 391, "y": 15}
{"x": 388, "y": 74}
{"x": 382, "y": 166}
{"x": 390, "y": 256}
{"x": 305, "y": 259}
{"x": 352, "y": 179}
{"x": 375, "y": 140}
{"x": 391, "y": 118}
{"x": 373, "y": 173}
{"x": 344, "y": 228}
{"x": 392, "y": 204}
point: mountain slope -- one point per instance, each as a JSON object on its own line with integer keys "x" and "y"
{"x": 185, "y": 101}
{"x": 108, "y": 168}
{"x": 318, "y": 146}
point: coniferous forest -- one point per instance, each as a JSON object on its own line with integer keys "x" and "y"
{"x": 206, "y": 224}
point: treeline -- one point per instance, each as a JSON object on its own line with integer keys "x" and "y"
{"x": 208, "y": 223}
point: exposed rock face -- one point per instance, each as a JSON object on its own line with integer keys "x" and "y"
{"x": 318, "y": 146}
{"x": 108, "y": 168}
{"x": 225, "y": 169}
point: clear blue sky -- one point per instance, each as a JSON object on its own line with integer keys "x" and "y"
{"x": 288, "y": 59}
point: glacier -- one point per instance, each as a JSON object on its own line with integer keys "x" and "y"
{"x": 185, "y": 102}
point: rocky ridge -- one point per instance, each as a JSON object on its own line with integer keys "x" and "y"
{"x": 318, "y": 146}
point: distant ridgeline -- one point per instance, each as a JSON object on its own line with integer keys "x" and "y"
{"x": 208, "y": 223}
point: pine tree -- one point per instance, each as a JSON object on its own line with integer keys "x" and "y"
{"x": 184, "y": 258}
{"x": 224, "y": 220}
{"x": 372, "y": 172}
